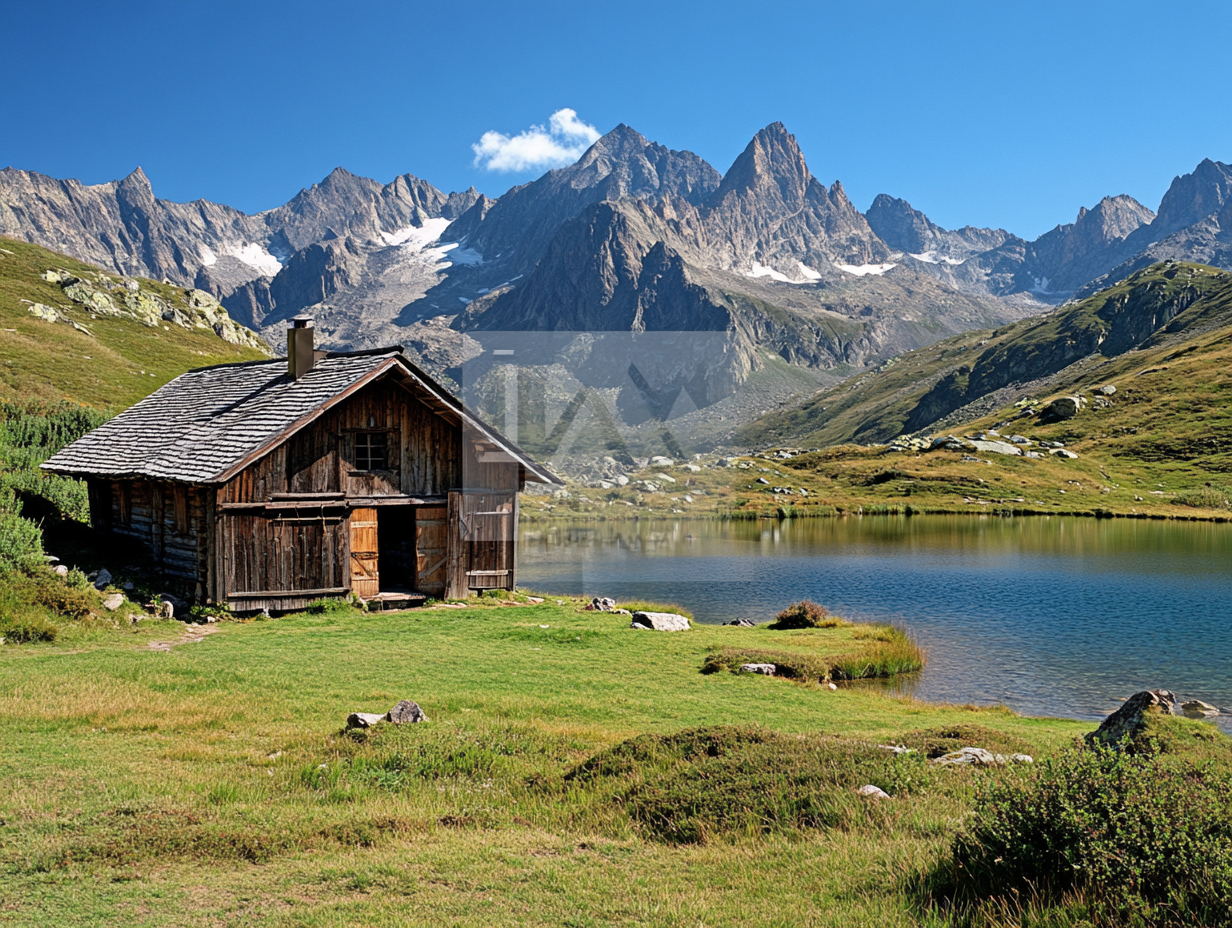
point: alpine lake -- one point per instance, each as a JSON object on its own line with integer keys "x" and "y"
{"x": 1050, "y": 616}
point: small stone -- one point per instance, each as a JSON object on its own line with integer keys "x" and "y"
{"x": 763, "y": 480}
{"x": 660, "y": 621}
{"x": 406, "y": 713}
{"x": 873, "y": 792}
{"x": 1062, "y": 453}
{"x": 767, "y": 669}
{"x": 832, "y": 686}
{"x": 742, "y": 623}
{"x": 102, "y": 578}
{"x": 60, "y": 571}
{"x": 128, "y": 586}
{"x": 363, "y": 719}
{"x": 1107, "y": 389}
{"x": 113, "y": 602}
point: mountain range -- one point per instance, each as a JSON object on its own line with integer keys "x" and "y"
{"x": 792, "y": 285}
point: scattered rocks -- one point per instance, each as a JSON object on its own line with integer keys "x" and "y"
{"x": 873, "y": 792}
{"x": 1197, "y": 709}
{"x": 1130, "y": 719}
{"x": 406, "y": 712}
{"x": 768, "y": 669}
{"x": 660, "y": 621}
{"x": 113, "y": 602}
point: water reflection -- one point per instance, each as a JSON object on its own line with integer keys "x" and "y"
{"x": 1052, "y": 616}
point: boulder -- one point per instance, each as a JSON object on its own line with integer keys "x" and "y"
{"x": 976, "y": 757}
{"x": 742, "y": 623}
{"x": 1062, "y": 453}
{"x": 601, "y": 604}
{"x": 873, "y": 792}
{"x": 1064, "y": 407}
{"x": 1197, "y": 709}
{"x": 1107, "y": 389}
{"x": 363, "y": 719}
{"x": 995, "y": 447}
{"x": 102, "y": 578}
{"x": 767, "y": 669}
{"x": 113, "y": 602}
{"x": 662, "y": 461}
{"x": 405, "y": 713}
{"x": 660, "y": 621}
{"x": 1130, "y": 719}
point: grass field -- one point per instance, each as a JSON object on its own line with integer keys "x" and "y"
{"x": 211, "y": 783}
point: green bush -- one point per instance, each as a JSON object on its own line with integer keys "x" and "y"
{"x": 1207, "y": 497}
{"x": 20, "y": 629}
{"x": 1145, "y": 839}
{"x": 806, "y": 614}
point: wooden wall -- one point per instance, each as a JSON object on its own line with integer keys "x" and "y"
{"x": 172, "y": 521}
{"x": 285, "y": 559}
{"x": 425, "y": 452}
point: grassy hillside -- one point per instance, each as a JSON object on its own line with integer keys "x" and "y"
{"x": 118, "y": 362}
{"x": 1163, "y": 306}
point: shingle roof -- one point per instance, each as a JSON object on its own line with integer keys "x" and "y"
{"x": 200, "y": 426}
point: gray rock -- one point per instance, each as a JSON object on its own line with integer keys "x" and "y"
{"x": 1064, "y": 407}
{"x": 767, "y": 669}
{"x": 406, "y": 713}
{"x": 1020, "y": 439}
{"x": 102, "y": 578}
{"x": 1107, "y": 389}
{"x": 1197, "y": 709}
{"x": 113, "y": 602}
{"x": 977, "y": 757}
{"x": 763, "y": 480}
{"x": 363, "y": 719}
{"x": 660, "y": 621}
{"x": 1130, "y": 719}
{"x": 996, "y": 447}
{"x": 873, "y": 792}
{"x": 742, "y": 623}
{"x": 1062, "y": 453}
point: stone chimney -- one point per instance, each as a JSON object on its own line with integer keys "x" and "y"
{"x": 301, "y": 355}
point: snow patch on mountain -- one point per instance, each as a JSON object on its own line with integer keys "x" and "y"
{"x": 861, "y": 270}
{"x": 931, "y": 257}
{"x": 255, "y": 256}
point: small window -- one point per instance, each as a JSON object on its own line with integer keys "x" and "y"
{"x": 371, "y": 451}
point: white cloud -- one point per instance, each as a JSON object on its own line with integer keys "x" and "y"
{"x": 560, "y": 142}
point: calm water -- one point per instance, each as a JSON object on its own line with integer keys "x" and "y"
{"x": 1051, "y": 616}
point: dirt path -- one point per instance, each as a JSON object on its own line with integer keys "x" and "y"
{"x": 192, "y": 634}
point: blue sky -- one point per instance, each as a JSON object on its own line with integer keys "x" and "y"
{"x": 991, "y": 113}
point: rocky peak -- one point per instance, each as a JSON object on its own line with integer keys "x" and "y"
{"x": 1193, "y": 197}
{"x": 901, "y": 226}
{"x": 772, "y": 161}
{"x": 1112, "y": 219}
{"x": 136, "y": 190}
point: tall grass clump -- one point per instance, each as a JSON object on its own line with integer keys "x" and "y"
{"x": 1208, "y": 497}
{"x": 1142, "y": 839}
{"x": 893, "y": 652}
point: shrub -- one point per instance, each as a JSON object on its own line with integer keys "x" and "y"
{"x": 1207, "y": 497}
{"x": 27, "y": 627}
{"x": 806, "y": 614}
{"x": 1145, "y": 839}
{"x": 330, "y": 607}
{"x": 67, "y": 599}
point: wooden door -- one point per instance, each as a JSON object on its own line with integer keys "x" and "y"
{"x": 365, "y": 575}
{"x": 430, "y": 550}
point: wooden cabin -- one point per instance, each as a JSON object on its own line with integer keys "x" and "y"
{"x": 271, "y": 484}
